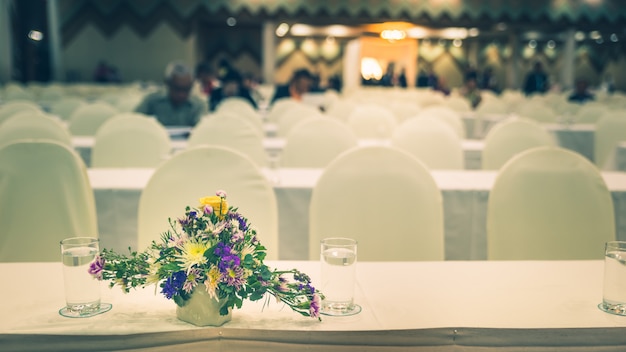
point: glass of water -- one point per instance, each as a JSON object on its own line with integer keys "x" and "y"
{"x": 338, "y": 257}
{"x": 82, "y": 290}
{"x": 614, "y": 292}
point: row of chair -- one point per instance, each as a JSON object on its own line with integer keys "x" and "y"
{"x": 547, "y": 202}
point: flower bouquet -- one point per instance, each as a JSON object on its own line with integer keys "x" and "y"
{"x": 212, "y": 249}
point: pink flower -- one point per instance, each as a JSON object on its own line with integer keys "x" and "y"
{"x": 208, "y": 210}
{"x": 314, "y": 308}
{"x": 96, "y": 266}
{"x": 221, "y": 193}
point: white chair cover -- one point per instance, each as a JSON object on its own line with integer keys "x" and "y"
{"x": 549, "y": 203}
{"x": 511, "y": 137}
{"x": 432, "y": 141}
{"x": 45, "y": 196}
{"x": 448, "y": 115}
{"x": 385, "y": 199}
{"x": 538, "y": 112}
{"x": 230, "y": 131}
{"x": 192, "y": 174}
{"x": 404, "y": 110}
{"x": 33, "y": 125}
{"x": 240, "y": 107}
{"x": 66, "y": 106}
{"x": 341, "y": 109}
{"x": 279, "y": 107}
{"x": 590, "y": 113}
{"x": 316, "y": 142}
{"x": 610, "y": 130}
{"x": 458, "y": 103}
{"x": 293, "y": 116}
{"x": 372, "y": 121}
{"x": 13, "y": 107}
{"x": 130, "y": 140}
{"x": 86, "y": 119}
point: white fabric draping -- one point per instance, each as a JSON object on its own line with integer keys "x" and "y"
{"x": 408, "y": 306}
{"x": 465, "y": 194}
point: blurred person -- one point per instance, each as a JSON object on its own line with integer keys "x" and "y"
{"x": 488, "y": 80}
{"x": 299, "y": 84}
{"x": 389, "y": 79}
{"x": 206, "y": 78}
{"x": 536, "y": 80}
{"x": 581, "y": 92}
{"x": 471, "y": 92}
{"x": 422, "y": 79}
{"x": 402, "y": 83}
{"x": 441, "y": 87}
{"x": 174, "y": 106}
{"x": 232, "y": 86}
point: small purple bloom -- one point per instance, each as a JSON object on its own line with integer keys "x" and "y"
{"x": 208, "y": 210}
{"x": 243, "y": 226}
{"x": 183, "y": 221}
{"x": 173, "y": 284}
{"x": 96, "y": 267}
{"x": 192, "y": 214}
{"x": 221, "y": 193}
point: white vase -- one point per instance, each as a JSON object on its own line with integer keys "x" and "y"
{"x": 203, "y": 310}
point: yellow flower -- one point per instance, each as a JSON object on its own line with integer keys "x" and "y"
{"x": 219, "y": 204}
{"x": 213, "y": 278}
{"x": 192, "y": 254}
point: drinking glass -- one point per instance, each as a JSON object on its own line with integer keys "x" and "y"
{"x": 82, "y": 290}
{"x": 338, "y": 257}
{"x": 614, "y": 292}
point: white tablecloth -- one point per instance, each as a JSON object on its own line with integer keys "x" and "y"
{"x": 465, "y": 195}
{"x": 407, "y": 306}
{"x": 577, "y": 137}
{"x": 274, "y": 146}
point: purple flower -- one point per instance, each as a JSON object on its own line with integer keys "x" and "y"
{"x": 173, "y": 284}
{"x": 234, "y": 277}
{"x": 183, "y": 221}
{"x": 229, "y": 261}
{"x": 192, "y": 214}
{"x": 237, "y": 236}
{"x": 208, "y": 210}
{"x": 221, "y": 193}
{"x": 243, "y": 226}
{"x": 314, "y": 308}
{"x": 222, "y": 250}
{"x": 96, "y": 266}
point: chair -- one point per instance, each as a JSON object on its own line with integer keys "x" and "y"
{"x": 316, "y": 142}
{"x": 590, "y": 113}
{"x": 130, "y": 140}
{"x": 293, "y": 116}
{"x": 128, "y": 103}
{"x": 538, "y": 112}
{"x": 341, "y": 109}
{"x": 192, "y": 174}
{"x": 66, "y": 106}
{"x": 610, "y": 130}
{"x": 230, "y": 131}
{"x": 372, "y": 121}
{"x": 458, "y": 103}
{"x": 33, "y": 125}
{"x": 45, "y": 196}
{"x": 13, "y": 107}
{"x": 448, "y": 115}
{"x": 385, "y": 199}
{"x": 240, "y": 107}
{"x": 511, "y": 137}
{"x": 432, "y": 141}
{"x": 549, "y": 203}
{"x": 279, "y": 107}
{"x": 86, "y": 119}
{"x": 404, "y": 110}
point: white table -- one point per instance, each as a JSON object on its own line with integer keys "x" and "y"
{"x": 407, "y": 306}
{"x": 274, "y": 146}
{"x": 577, "y": 137}
{"x": 465, "y": 195}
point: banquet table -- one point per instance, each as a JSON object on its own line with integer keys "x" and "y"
{"x": 472, "y": 149}
{"x": 420, "y": 306}
{"x": 577, "y": 137}
{"x": 465, "y": 195}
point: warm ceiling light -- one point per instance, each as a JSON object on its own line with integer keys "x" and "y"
{"x": 453, "y": 33}
{"x": 473, "y": 32}
{"x": 282, "y": 29}
{"x": 393, "y": 34}
{"x": 301, "y": 30}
